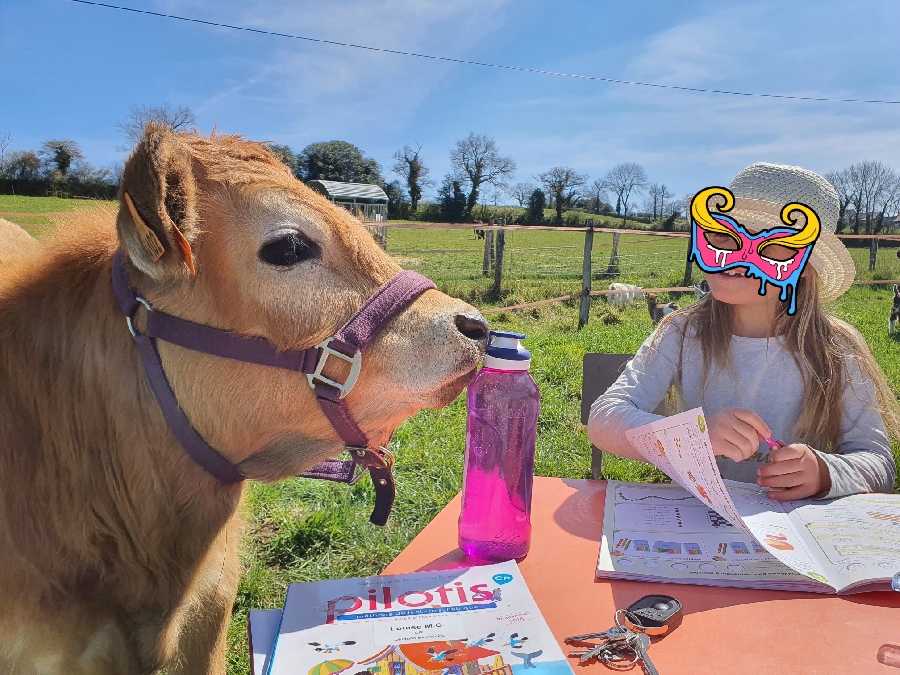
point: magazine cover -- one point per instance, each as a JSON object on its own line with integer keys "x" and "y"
{"x": 471, "y": 621}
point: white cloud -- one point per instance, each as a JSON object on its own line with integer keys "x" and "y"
{"x": 321, "y": 90}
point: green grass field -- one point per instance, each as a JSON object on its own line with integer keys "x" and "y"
{"x": 302, "y": 530}
{"x": 32, "y": 212}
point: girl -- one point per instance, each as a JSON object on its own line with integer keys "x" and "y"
{"x": 760, "y": 355}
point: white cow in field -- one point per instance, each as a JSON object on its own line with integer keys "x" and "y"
{"x": 624, "y": 293}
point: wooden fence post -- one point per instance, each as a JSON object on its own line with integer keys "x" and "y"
{"x": 873, "y": 253}
{"x": 498, "y": 262}
{"x": 688, "y": 267}
{"x": 586, "y": 275}
{"x": 488, "y": 253}
{"x": 612, "y": 269}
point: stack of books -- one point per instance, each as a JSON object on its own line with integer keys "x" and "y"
{"x": 468, "y": 621}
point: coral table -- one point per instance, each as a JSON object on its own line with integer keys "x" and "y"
{"x": 724, "y": 630}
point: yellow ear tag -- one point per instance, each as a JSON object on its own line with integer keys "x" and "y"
{"x": 150, "y": 241}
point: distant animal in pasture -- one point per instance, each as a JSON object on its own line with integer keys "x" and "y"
{"x": 479, "y": 234}
{"x": 701, "y": 289}
{"x": 658, "y": 311}
{"x": 624, "y": 293}
{"x": 895, "y": 311}
{"x": 208, "y": 297}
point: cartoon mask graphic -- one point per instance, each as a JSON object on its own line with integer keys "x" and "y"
{"x": 777, "y": 255}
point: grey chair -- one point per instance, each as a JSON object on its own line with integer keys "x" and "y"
{"x": 598, "y": 373}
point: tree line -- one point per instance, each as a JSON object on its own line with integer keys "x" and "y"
{"x": 480, "y": 174}
{"x": 869, "y": 197}
{"x": 58, "y": 166}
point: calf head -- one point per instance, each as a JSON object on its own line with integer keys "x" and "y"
{"x": 218, "y": 231}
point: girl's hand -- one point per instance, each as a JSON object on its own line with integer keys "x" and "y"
{"x": 735, "y": 433}
{"x": 797, "y": 471}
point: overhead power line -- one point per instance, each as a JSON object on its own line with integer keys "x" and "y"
{"x": 448, "y": 59}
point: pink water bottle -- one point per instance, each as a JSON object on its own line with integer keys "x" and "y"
{"x": 503, "y": 403}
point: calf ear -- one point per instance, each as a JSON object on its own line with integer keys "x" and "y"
{"x": 157, "y": 219}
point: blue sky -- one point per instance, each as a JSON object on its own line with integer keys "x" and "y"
{"x": 71, "y": 71}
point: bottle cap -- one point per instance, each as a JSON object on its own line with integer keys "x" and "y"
{"x": 505, "y": 352}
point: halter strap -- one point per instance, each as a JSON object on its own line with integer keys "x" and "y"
{"x": 387, "y": 302}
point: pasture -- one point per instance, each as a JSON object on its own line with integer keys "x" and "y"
{"x": 304, "y": 530}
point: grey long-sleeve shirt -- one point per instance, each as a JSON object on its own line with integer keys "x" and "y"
{"x": 764, "y": 379}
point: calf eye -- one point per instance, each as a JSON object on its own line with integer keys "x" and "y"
{"x": 288, "y": 249}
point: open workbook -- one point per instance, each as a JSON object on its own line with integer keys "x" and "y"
{"x": 721, "y": 533}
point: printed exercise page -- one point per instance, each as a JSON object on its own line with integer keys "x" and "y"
{"x": 857, "y": 537}
{"x": 679, "y": 445}
{"x": 772, "y": 526}
{"x": 662, "y": 532}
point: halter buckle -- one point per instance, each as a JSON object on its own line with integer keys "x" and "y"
{"x": 359, "y": 452}
{"x": 355, "y": 362}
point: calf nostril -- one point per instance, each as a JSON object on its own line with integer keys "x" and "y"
{"x": 474, "y": 328}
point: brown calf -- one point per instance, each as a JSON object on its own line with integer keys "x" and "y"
{"x": 118, "y": 554}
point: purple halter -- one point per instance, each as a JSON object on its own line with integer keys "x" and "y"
{"x": 347, "y": 344}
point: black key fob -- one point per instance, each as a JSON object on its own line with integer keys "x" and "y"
{"x": 653, "y": 614}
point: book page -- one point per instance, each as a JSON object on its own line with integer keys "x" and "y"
{"x": 856, "y": 537}
{"x": 469, "y": 621}
{"x": 662, "y": 532}
{"x": 772, "y": 526}
{"x": 679, "y": 445}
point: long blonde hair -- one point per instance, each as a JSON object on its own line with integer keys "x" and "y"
{"x": 821, "y": 345}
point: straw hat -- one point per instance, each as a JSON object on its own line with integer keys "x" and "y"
{"x": 762, "y": 190}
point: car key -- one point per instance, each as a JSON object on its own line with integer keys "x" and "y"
{"x": 640, "y": 647}
{"x": 653, "y": 614}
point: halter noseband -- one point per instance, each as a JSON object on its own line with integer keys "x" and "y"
{"x": 347, "y": 344}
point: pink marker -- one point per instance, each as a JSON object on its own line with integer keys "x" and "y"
{"x": 772, "y": 443}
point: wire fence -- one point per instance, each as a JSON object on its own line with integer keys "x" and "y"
{"x": 506, "y": 268}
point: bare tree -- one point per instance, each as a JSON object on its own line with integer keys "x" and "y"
{"x": 5, "y": 141}
{"x": 843, "y": 183}
{"x": 658, "y": 194}
{"x": 598, "y": 194}
{"x": 477, "y": 160}
{"x": 563, "y": 183}
{"x": 522, "y": 192}
{"x": 408, "y": 165}
{"x": 623, "y": 181}
{"x": 132, "y": 126}
{"x": 872, "y": 185}
{"x": 23, "y": 165}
